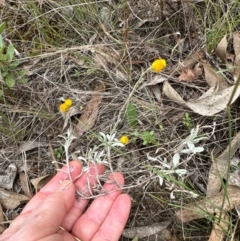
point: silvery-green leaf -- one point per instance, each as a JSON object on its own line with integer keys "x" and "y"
{"x": 181, "y": 172}
{"x": 176, "y": 159}
{"x": 160, "y": 180}
{"x": 198, "y": 149}
{"x": 117, "y": 144}
{"x": 172, "y": 196}
{"x": 186, "y": 151}
{"x": 196, "y": 140}
{"x": 190, "y": 145}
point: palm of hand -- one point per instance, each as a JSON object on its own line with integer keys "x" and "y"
{"x": 55, "y": 206}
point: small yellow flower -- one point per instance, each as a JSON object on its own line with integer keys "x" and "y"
{"x": 63, "y": 107}
{"x": 68, "y": 102}
{"x": 124, "y": 140}
{"x": 158, "y": 65}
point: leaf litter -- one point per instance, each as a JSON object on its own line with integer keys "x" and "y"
{"x": 111, "y": 64}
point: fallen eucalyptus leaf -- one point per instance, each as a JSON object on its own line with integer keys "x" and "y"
{"x": 11, "y": 200}
{"x": 40, "y": 182}
{"x": 74, "y": 110}
{"x": 220, "y": 227}
{"x": 90, "y": 112}
{"x": 214, "y": 79}
{"x": 218, "y": 169}
{"x": 207, "y": 106}
{"x": 142, "y": 232}
{"x": 236, "y": 42}
{"x": 157, "y": 79}
{"x": 221, "y": 49}
{"x": 29, "y": 145}
{"x": 210, "y": 205}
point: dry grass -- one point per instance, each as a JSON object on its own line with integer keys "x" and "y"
{"x": 69, "y": 48}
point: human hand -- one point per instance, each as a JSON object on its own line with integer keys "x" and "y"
{"x": 55, "y": 206}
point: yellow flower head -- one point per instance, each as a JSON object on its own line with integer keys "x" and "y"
{"x": 124, "y": 140}
{"x": 158, "y": 65}
{"x": 68, "y": 102}
{"x": 63, "y": 107}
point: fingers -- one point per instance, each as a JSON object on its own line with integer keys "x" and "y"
{"x": 89, "y": 223}
{"x": 113, "y": 225}
{"x": 47, "y": 217}
{"x": 75, "y": 168}
{"x": 83, "y": 185}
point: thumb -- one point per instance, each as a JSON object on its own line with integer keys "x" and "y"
{"x": 48, "y": 216}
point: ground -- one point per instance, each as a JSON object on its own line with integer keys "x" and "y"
{"x": 99, "y": 54}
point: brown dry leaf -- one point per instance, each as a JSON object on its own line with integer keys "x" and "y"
{"x": 210, "y": 205}
{"x": 157, "y": 79}
{"x": 103, "y": 56}
{"x": 213, "y": 78}
{"x": 236, "y": 43}
{"x": 1, "y": 220}
{"x": 40, "y": 182}
{"x": 10, "y": 200}
{"x": 157, "y": 92}
{"x": 207, "y": 105}
{"x": 187, "y": 75}
{"x": 221, "y": 49}
{"x": 236, "y": 67}
{"x": 189, "y": 62}
{"x": 219, "y": 167}
{"x": 236, "y": 47}
{"x": 90, "y": 112}
{"x": 29, "y": 145}
{"x": 25, "y": 184}
{"x": 74, "y": 110}
{"x": 220, "y": 227}
{"x": 142, "y": 232}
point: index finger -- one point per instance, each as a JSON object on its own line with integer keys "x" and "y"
{"x": 75, "y": 169}
{"x": 49, "y": 188}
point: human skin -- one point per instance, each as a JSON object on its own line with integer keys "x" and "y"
{"x": 55, "y": 206}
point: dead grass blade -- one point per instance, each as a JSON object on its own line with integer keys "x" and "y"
{"x": 219, "y": 167}
{"x": 210, "y": 205}
{"x": 142, "y": 232}
{"x": 90, "y": 112}
{"x": 11, "y": 200}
